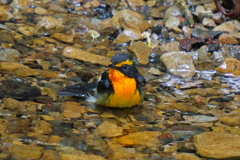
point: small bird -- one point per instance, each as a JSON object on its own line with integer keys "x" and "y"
{"x": 120, "y": 86}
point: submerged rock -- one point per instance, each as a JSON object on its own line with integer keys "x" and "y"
{"x": 229, "y": 66}
{"x": 72, "y": 52}
{"x": 179, "y": 64}
{"x": 129, "y": 19}
{"x": 217, "y": 145}
{"x": 48, "y": 25}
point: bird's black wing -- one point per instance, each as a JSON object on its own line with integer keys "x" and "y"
{"x": 78, "y": 90}
{"x": 104, "y": 85}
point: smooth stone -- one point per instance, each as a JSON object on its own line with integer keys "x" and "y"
{"x": 217, "y": 145}
{"x": 141, "y": 50}
{"x": 227, "y": 39}
{"x": 76, "y": 53}
{"x": 48, "y": 25}
{"x": 108, "y": 129}
{"x": 231, "y": 66}
{"x": 9, "y": 55}
{"x": 128, "y": 35}
{"x": 129, "y": 19}
{"x": 179, "y": 64}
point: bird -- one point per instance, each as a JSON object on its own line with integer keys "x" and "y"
{"x": 120, "y": 86}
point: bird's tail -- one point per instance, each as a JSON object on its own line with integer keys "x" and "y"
{"x": 78, "y": 90}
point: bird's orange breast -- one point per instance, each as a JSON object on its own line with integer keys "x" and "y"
{"x": 125, "y": 91}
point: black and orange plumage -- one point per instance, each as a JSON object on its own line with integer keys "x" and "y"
{"x": 119, "y": 86}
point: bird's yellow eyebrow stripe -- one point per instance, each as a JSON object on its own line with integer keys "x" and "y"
{"x": 127, "y": 62}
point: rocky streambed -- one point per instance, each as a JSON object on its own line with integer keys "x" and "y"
{"x": 187, "y": 51}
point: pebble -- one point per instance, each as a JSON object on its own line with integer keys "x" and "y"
{"x": 9, "y": 55}
{"x": 5, "y": 15}
{"x": 129, "y": 19}
{"x": 170, "y": 47}
{"x": 128, "y": 35}
{"x": 186, "y": 156}
{"x": 135, "y": 3}
{"x": 144, "y": 138}
{"x": 217, "y": 145}
{"x": 172, "y": 22}
{"x": 41, "y": 11}
{"x": 76, "y": 53}
{"x": 174, "y": 11}
{"x": 230, "y": 66}
{"x": 108, "y": 129}
{"x": 208, "y": 22}
{"x": 72, "y": 110}
{"x": 48, "y": 25}
{"x": 154, "y": 71}
{"x": 179, "y": 64}
{"x": 71, "y": 38}
{"x": 21, "y": 151}
{"x": 225, "y": 27}
{"x": 141, "y": 50}
{"x": 227, "y": 39}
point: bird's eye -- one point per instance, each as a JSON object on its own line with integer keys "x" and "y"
{"x": 124, "y": 66}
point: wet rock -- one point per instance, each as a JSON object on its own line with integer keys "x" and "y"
{"x": 72, "y": 52}
{"x": 5, "y": 15}
{"x": 72, "y": 154}
{"x": 196, "y": 91}
{"x": 141, "y": 50}
{"x": 128, "y": 35}
{"x": 218, "y": 18}
{"x": 129, "y": 19}
{"x": 208, "y": 22}
{"x": 204, "y": 34}
{"x": 174, "y": 11}
{"x": 21, "y": 4}
{"x": 5, "y": 1}
{"x": 177, "y": 106}
{"x": 64, "y": 37}
{"x": 200, "y": 118}
{"x": 48, "y": 25}
{"x": 39, "y": 42}
{"x": 135, "y": 3}
{"x": 18, "y": 89}
{"x": 226, "y": 27}
{"x": 187, "y": 31}
{"x": 15, "y": 105}
{"x": 26, "y": 30}
{"x": 19, "y": 151}
{"x": 170, "y": 47}
{"x": 50, "y": 155}
{"x": 186, "y": 156}
{"x": 155, "y": 71}
{"x": 232, "y": 119}
{"x": 217, "y": 55}
{"x": 42, "y": 127}
{"x": 9, "y": 55}
{"x": 179, "y": 64}
{"x": 7, "y": 37}
{"x": 119, "y": 152}
{"x": 72, "y": 110}
{"x": 202, "y": 54}
{"x": 41, "y": 11}
{"x": 172, "y": 22}
{"x": 56, "y": 8}
{"x": 231, "y": 66}
{"x": 108, "y": 129}
{"x": 227, "y": 39}
{"x": 235, "y": 35}
{"x": 217, "y": 145}
{"x": 145, "y": 138}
